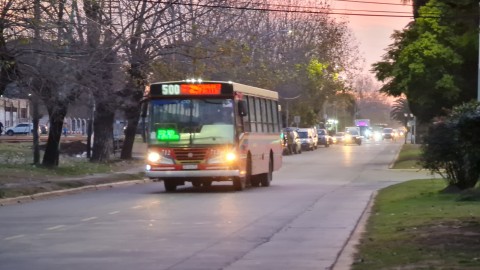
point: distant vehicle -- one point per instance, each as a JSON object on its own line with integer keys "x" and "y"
{"x": 352, "y": 136}
{"x": 339, "y": 137}
{"x": 43, "y": 129}
{"x": 323, "y": 137}
{"x": 22, "y": 128}
{"x": 388, "y": 134}
{"x": 365, "y": 127}
{"x": 307, "y": 138}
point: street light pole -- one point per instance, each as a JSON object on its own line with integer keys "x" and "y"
{"x": 412, "y": 127}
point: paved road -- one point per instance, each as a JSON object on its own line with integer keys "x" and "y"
{"x": 301, "y": 222}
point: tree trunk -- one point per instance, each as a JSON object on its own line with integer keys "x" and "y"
{"x": 132, "y": 115}
{"x": 103, "y": 132}
{"x": 52, "y": 151}
{"x": 134, "y": 93}
{"x": 35, "y": 117}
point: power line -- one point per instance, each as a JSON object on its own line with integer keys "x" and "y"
{"x": 288, "y": 10}
{"x": 371, "y": 2}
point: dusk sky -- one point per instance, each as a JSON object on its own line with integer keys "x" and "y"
{"x": 373, "y": 33}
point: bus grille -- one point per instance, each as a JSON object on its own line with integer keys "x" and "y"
{"x": 190, "y": 155}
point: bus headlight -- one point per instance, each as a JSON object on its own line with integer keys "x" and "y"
{"x": 222, "y": 157}
{"x": 230, "y": 157}
{"x": 153, "y": 157}
{"x": 157, "y": 158}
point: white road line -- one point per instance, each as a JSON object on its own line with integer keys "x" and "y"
{"x": 88, "y": 219}
{"x": 14, "y": 237}
{"x": 114, "y": 212}
{"x": 54, "y": 227}
{"x": 136, "y": 207}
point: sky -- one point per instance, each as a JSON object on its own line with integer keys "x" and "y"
{"x": 373, "y": 33}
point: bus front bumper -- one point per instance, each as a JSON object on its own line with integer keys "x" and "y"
{"x": 192, "y": 173}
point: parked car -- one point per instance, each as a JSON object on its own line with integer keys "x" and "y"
{"x": 292, "y": 142}
{"x": 388, "y": 134}
{"x": 352, "y": 136}
{"x": 43, "y": 129}
{"x": 323, "y": 137}
{"x": 22, "y": 128}
{"x": 307, "y": 138}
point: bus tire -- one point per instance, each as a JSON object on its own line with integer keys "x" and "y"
{"x": 170, "y": 185}
{"x": 266, "y": 178}
{"x": 253, "y": 179}
{"x": 239, "y": 183}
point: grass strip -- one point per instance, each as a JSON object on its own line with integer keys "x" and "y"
{"x": 414, "y": 226}
{"x": 409, "y": 157}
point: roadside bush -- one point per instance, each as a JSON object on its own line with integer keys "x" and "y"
{"x": 452, "y": 147}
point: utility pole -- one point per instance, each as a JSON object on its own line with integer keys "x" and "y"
{"x": 478, "y": 71}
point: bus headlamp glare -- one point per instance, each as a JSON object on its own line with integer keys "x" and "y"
{"x": 154, "y": 157}
{"x": 230, "y": 156}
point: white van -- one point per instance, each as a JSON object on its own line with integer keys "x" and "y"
{"x": 308, "y": 138}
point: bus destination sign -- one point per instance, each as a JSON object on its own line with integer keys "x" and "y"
{"x": 191, "y": 89}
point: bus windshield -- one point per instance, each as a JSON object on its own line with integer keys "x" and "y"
{"x": 187, "y": 122}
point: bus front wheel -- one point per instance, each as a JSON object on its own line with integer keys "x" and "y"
{"x": 266, "y": 178}
{"x": 239, "y": 183}
{"x": 170, "y": 185}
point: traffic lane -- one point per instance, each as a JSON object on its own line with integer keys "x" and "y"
{"x": 143, "y": 227}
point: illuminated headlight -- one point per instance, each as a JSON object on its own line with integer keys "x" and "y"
{"x": 155, "y": 157}
{"x": 348, "y": 137}
{"x": 222, "y": 157}
{"x": 230, "y": 156}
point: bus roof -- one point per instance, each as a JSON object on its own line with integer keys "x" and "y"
{"x": 238, "y": 87}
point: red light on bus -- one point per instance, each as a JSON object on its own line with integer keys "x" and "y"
{"x": 200, "y": 89}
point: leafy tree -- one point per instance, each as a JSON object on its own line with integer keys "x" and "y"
{"x": 433, "y": 61}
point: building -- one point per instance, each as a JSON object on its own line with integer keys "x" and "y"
{"x": 14, "y": 111}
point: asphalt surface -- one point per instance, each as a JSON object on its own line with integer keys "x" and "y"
{"x": 310, "y": 218}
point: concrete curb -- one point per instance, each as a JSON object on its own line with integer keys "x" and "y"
{"x": 56, "y": 193}
{"x": 345, "y": 258}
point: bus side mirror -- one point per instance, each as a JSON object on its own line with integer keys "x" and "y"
{"x": 242, "y": 108}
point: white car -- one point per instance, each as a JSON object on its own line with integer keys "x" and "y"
{"x": 23, "y": 128}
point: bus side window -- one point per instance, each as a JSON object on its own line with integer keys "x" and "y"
{"x": 246, "y": 119}
{"x": 251, "y": 114}
{"x": 242, "y": 108}
{"x": 258, "y": 114}
{"x": 275, "y": 110}
{"x": 263, "y": 109}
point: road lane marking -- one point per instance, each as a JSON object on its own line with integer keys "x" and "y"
{"x": 114, "y": 212}
{"x": 136, "y": 207}
{"x": 54, "y": 227}
{"x": 88, "y": 219}
{"x": 14, "y": 237}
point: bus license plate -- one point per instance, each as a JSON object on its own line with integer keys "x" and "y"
{"x": 190, "y": 166}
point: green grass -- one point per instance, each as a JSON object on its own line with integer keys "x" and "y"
{"x": 414, "y": 226}
{"x": 408, "y": 157}
{"x": 18, "y": 176}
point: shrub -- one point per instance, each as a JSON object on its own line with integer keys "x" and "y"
{"x": 452, "y": 147}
